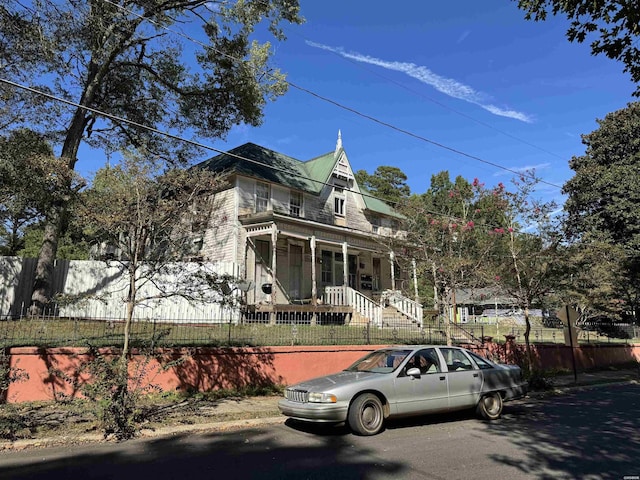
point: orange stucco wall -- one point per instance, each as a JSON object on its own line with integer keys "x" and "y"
{"x": 57, "y": 373}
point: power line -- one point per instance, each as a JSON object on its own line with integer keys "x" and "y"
{"x": 440, "y": 104}
{"x": 206, "y": 147}
{"x": 333, "y": 102}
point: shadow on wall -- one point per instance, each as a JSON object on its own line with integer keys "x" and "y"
{"x": 211, "y": 369}
{"x": 560, "y": 357}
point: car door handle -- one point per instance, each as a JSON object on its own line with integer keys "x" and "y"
{"x": 442, "y": 378}
{"x": 475, "y": 375}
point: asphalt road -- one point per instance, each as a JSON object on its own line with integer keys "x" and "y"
{"x": 589, "y": 434}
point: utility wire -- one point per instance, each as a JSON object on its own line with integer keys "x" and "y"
{"x": 208, "y": 147}
{"x": 333, "y": 102}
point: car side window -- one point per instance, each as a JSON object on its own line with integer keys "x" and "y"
{"x": 426, "y": 360}
{"x": 456, "y": 360}
{"x": 481, "y": 362}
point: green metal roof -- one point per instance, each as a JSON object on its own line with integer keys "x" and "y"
{"x": 255, "y": 161}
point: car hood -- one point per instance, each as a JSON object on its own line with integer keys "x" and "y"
{"x": 336, "y": 380}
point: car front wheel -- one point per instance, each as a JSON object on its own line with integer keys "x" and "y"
{"x": 366, "y": 415}
{"x": 490, "y": 406}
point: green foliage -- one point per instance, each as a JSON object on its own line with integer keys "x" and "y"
{"x": 615, "y": 22}
{"x": 25, "y": 167}
{"x": 604, "y": 192}
{"x": 386, "y": 183}
{"x": 131, "y": 67}
{"x": 72, "y": 245}
{"x": 602, "y": 204}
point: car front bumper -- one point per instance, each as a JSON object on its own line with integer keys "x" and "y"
{"x": 314, "y": 412}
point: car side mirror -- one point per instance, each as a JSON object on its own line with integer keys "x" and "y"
{"x": 413, "y": 372}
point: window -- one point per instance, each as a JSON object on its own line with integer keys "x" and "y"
{"x": 263, "y": 194}
{"x": 456, "y": 359}
{"x": 338, "y": 201}
{"x": 376, "y": 223}
{"x": 295, "y": 204}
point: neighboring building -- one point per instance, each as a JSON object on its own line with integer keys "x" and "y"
{"x": 305, "y": 234}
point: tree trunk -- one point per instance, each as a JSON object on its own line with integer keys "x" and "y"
{"x": 43, "y": 281}
{"x": 527, "y": 343}
{"x": 43, "y": 278}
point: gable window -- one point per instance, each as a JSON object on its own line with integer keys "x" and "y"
{"x": 263, "y": 194}
{"x": 295, "y": 204}
{"x": 338, "y": 201}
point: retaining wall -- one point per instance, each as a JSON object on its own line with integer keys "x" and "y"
{"x": 57, "y": 373}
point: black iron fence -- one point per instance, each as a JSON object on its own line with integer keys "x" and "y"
{"x": 283, "y": 330}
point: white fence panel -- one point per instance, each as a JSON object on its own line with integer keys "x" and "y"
{"x": 97, "y": 290}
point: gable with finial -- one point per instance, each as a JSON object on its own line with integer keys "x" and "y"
{"x": 342, "y": 168}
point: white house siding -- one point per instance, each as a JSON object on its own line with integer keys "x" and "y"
{"x": 246, "y": 196}
{"x": 280, "y": 199}
{"x": 220, "y": 238}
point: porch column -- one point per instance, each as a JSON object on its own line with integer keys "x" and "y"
{"x": 392, "y": 258}
{"x": 314, "y": 287}
{"x": 274, "y": 241}
{"x": 345, "y": 265}
{"x": 415, "y": 280}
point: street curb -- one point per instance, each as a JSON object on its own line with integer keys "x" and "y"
{"x": 224, "y": 426}
{"x": 578, "y": 388}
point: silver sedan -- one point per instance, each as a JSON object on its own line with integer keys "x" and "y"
{"x": 404, "y": 381}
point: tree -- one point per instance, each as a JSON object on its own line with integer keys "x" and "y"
{"x": 445, "y": 229}
{"x": 603, "y": 196}
{"x": 615, "y": 21}
{"x": 150, "y": 217}
{"x": 32, "y": 181}
{"x": 387, "y": 183}
{"x": 118, "y": 58}
{"x": 526, "y": 259}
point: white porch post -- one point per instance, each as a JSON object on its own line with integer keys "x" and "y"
{"x": 274, "y": 241}
{"x": 314, "y": 287}
{"x": 392, "y": 258}
{"x": 345, "y": 265}
{"x": 415, "y": 280}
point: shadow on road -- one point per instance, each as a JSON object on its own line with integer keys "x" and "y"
{"x": 248, "y": 454}
{"x": 579, "y": 435}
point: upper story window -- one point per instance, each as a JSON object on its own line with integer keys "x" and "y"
{"x": 376, "y": 223}
{"x": 338, "y": 201}
{"x": 295, "y": 204}
{"x": 263, "y": 194}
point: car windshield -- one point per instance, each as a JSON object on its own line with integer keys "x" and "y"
{"x": 380, "y": 361}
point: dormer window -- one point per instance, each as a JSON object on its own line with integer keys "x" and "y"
{"x": 263, "y": 195}
{"x": 295, "y": 204}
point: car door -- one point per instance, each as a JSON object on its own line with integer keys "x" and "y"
{"x": 424, "y": 393}
{"x": 464, "y": 378}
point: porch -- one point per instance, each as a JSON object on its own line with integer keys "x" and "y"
{"x": 342, "y": 305}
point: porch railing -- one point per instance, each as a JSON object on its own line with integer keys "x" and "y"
{"x": 405, "y": 305}
{"x": 348, "y": 297}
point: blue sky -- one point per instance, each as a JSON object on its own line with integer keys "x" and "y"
{"x": 470, "y": 78}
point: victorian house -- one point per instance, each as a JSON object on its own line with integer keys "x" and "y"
{"x": 307, "y": 238}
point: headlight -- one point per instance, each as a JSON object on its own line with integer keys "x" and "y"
{"x": 322, "y": 398}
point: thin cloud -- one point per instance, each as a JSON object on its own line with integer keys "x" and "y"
{"x": 462, "y": 37}
{"x": 447, "y": 86}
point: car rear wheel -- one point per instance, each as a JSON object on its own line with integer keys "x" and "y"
{"x": 366, "y": 415}
{"x": 490, "y": 406}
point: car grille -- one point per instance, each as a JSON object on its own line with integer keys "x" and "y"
{"x": 300, "y": 396}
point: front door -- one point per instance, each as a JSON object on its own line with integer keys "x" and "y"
{"x": 295, "y": 272}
